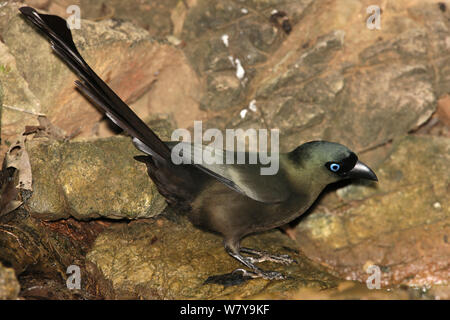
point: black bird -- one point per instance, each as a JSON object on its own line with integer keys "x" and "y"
{"x": 234, "y": 200}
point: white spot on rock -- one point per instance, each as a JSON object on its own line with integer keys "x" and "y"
{"x": 174, "y": 40}
{"x": 240, "y": 72}
{"x": 243, "y": 113}
{"x": 252, "y": 105}
{"x": 244, "y": 10}
{"x": 225, "y": 40}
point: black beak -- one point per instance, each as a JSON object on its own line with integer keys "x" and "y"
{"x": 361, "y": 171}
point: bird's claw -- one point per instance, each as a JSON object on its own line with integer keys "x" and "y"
{"x": 268, "y": 275}
{"x": 245, "y": 273}
{"x": 273, "y": 275}
{"x": 262, "y": 256}
{"x": 283, "y": 259}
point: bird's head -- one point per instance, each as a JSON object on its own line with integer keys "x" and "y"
{"x": 329, "y": 162}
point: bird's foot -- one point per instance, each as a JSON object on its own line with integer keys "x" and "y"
{"x": 262, "y": 256}
{"x": 258, "y": 273}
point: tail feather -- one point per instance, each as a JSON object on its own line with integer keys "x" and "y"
{"x": 91, "y": 85}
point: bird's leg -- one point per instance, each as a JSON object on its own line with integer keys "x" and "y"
{"x": 262, "y": 256}
{"x": 256, "y": 272}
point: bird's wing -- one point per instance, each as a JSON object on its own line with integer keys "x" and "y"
{"x": 244, "y": 178}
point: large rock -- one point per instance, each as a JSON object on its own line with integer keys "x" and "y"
{"x": 20, "y": 106}
{"x": 125, "y": 56}
{"x": 162, "y": 259}
{"x": 401, "y": 225}
{"x": 90, "y": 180}
{"x": 154, "y": 16}
{"x": 337, "y": 80}
{"x": 351, "y": 290}
{"x": 40, "y": 253}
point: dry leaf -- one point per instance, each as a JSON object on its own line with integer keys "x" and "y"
{"x": 16, "y": 176}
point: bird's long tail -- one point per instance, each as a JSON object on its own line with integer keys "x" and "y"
{"x": 60, "y": 37}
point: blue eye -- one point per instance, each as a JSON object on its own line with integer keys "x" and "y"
{"x": 335, "y": 167}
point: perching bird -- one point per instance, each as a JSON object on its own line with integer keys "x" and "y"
{"x": 233, "y": 200}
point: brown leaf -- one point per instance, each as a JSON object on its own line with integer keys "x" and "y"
{"x": 16, "y": 176}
